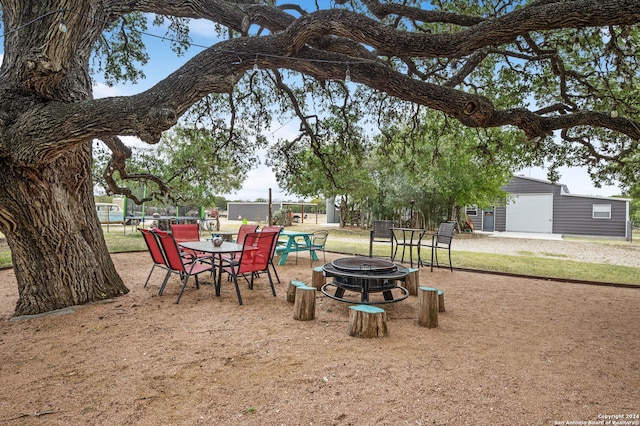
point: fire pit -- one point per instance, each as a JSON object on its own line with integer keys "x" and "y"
{"x": 365, "y": 275}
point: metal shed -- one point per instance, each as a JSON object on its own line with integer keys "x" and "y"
{"x": 542, "y": 206}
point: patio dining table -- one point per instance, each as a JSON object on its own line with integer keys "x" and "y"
{"x": 216, "y": 252}
{"x": 407, "y": 238}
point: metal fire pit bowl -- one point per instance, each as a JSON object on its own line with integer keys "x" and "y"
{"x": 365, "y": 275}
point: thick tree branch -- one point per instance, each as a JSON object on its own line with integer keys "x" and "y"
{"x": 501, "y": 30}
{"x": 55, "y": 126}
{"x": 118, "y": 164}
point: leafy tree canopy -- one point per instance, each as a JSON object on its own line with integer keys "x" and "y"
{"x": 560, "y": 71}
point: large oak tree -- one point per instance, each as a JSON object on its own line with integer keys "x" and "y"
{"x": 576, "y": 60}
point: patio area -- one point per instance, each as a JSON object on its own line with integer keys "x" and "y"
{"x": 507, "y": 351}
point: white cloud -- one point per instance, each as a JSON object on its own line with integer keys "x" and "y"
{"x": 202, "y": 28}
{"x": 1, "y": 58}
{"x": 101, "y": 90}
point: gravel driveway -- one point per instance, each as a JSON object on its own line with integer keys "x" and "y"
{"x": 611, "y": 253}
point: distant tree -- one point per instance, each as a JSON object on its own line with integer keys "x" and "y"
{"x": 442, "y": 166}
{"x": 328, "y": 159}
{"x": 634, "y": 209}
{"x": 220, "y": 202}
{"x": 189, "y": 161}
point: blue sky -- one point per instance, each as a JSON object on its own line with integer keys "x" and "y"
{"x": 163, "y": 61}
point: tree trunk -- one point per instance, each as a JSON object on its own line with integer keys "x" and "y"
{"x": 56, "y": 241}
{"x": 47, "y": 211}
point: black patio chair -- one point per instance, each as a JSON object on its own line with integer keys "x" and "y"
{"x": 381, "y": 232}
{"x": 441, "y": 240}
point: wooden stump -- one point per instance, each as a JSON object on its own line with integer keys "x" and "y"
{"x": 441, "y": 301}
{"x": 412, "y": 282}
{"x": 317, "y": 278}
{"x": 291, "y": 290}
{"x": 428, "y": 307}
{"x": 367, "y": 321}
{"x": 304, "y": 307}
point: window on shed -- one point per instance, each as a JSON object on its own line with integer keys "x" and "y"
{"x": 602, "y": 211}
{"x": 471, "y": 210}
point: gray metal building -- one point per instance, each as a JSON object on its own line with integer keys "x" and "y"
{"x": 253, "y": 212}
{"x": 541, "y": 206}
{"x": 259, "y": 211}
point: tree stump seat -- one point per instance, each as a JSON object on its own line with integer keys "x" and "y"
{"x": 317, "y": 278}
{"x": 367, "y": 321}
{"x": 412, "y": 281}
{"x": 304, "y": 306}
{"x": 291, "y": 290}
{"x": 441, "y": 301}
{"x": 428, "y": 307}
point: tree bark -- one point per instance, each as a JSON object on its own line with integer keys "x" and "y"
{"x": 304, "y": 305}
{"x": 367, "y": 321}
{"x": 57, "y": 246}
{"x": 428, "y": 307}
{"x": 47, "y": 210}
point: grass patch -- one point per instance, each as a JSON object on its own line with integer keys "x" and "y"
{"x": 118, "y": 243}
{"x": 545, "y": 267}
{"x": 542, "y": 253}
{"x": 5, "y": 259}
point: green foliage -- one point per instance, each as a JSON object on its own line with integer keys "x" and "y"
{"x": 634, "y": 209}
{"x": 212, "y": 155}
{"x": 441, "y": 165}
{"x": 417, "y": 155}
{"x": 120, "y": 53}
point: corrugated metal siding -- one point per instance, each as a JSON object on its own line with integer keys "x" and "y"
{"x": 520, "y": 185}
{"x": 501, "y": 218}
{"x": 574, "y": 215}
{"x": 253, "y": 212}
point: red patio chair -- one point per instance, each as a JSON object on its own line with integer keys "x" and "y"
{"x": 177, "y": 265}
{"x": 276, "y": 229}
{"x": 185, "y": 232}
{"x": 157, "y": 256}
{"x": 244, "y": 230}
{"x": 188, "y": 232}
{"x": 254, "y": 258}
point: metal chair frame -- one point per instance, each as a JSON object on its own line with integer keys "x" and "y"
{"x": 177, "y": 265}
{"x": 318, "y": 241}
{"x": 277, "y": 229}
{"x": 254, "y": 258}
{"x": 381, "y": 232}
{"x": 155, "y": 250}
{"x": 441, "y": 240}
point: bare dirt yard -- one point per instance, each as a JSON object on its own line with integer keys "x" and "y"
{"x": 507, "y": 351}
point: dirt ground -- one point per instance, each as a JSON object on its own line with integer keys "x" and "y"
{"x": 507, "y": 351}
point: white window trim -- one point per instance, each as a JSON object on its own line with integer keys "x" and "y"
{"x": 601, "y": 208}
{"x": 469, "y": 208}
